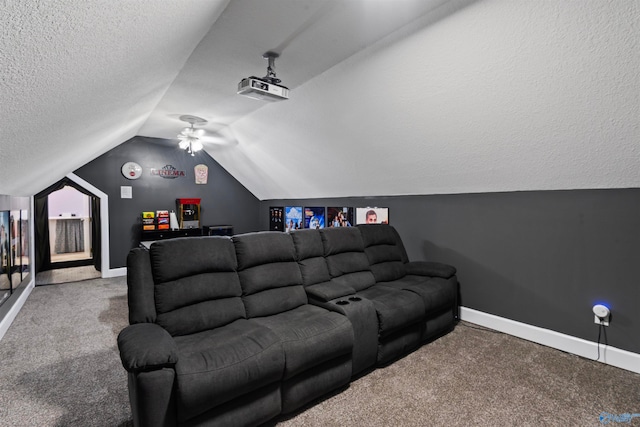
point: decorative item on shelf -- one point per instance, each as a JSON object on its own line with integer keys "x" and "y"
{"x": 173, "y": 221}
{"x": 217, "y": 230}
{"x": 188, "y": 212}
{"x": 148, "y": 221}
{"x": 190, "y": 137}
{"x": 163, "y": 220}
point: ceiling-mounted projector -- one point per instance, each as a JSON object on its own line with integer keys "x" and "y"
{"x": 265, "y": 88}
{"x": 257, "y": 88}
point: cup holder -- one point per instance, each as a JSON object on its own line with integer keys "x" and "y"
{"x": 342, "y": 302}
{"x": 355, "y": 299}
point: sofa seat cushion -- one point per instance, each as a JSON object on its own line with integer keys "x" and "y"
{"x": 396, "y": 308}
{"x": 310, "y": 336}
{"x": 437, "y": 294}
{"x": 218, "y": 365}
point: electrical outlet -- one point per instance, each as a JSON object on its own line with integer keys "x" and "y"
{"x": 602, "y": 314}
{"x": 603, "y": 322}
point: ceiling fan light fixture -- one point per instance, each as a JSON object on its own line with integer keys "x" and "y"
{"x": 190, "y": 137}
{"x": 196, "y": 146}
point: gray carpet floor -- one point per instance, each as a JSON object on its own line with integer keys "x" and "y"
{"x": 59, "y": 366}
{"x": 66, "y": 275}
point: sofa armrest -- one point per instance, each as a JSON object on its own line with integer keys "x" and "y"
{"x": 327, "y": 291}
{"x": 146, "y": 347}
{"x": 431, "y": 269}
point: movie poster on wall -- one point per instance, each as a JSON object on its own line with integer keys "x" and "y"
{"x": 24, "y": 241}
{"x": 5, "y": 255}
{"x": 276, "y": 218}
{"x": 201, "y": 173}
{"x": 293, "y": 217}
{"x": 339, "y": 217}
{"x": 15, "y": 250}
{"x": 372, "y": 215}
{"x": 314, "y": 217}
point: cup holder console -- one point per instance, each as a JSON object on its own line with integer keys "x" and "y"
{"x": 345, "y": 302}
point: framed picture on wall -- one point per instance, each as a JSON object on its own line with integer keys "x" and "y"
{"x": 5, "y": 255}
{"x": 314, "y": 217}
{"x": 339, "y": 217}
{"x": 276, "y": 218}
{"x": 293, "y": 217}
{"x": 15, "y": 250}
{"x": 370, "y": 215}
{"x": 24, "y": 241}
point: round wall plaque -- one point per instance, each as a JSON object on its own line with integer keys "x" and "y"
{"x": 131, "y": 170}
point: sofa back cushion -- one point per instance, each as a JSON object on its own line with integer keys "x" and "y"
{"x": 269, "y": 274}
{"x": 196, "y": 286}
{"x": 346, "y": 260}
{"x": 385, "y": 251}
{"x": 310, "y": 256}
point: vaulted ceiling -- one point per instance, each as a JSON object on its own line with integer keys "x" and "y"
{"x": 388, "y": 97}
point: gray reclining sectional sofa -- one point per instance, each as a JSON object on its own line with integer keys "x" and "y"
{"x": 234, "y": 331}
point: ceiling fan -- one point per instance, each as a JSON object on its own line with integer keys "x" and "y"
{"x": 190, "y": 137}
{"x": 193, "y": 138}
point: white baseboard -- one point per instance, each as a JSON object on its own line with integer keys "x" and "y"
{"x": 7, "y": 320}
{"x": 114, "y": 272}
{"x": 588, "y": 349}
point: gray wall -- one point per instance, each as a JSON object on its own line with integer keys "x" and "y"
{"x": 542, "y": 258}
{"x": 224, "y": 200}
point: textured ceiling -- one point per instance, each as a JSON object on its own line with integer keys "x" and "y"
{"x": 79, "y": 77}
{"x": 387, "y": 97}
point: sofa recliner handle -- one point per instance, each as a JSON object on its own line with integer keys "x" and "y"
{"x": 146, "y": 347}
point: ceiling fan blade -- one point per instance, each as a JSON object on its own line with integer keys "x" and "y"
{"x": 223, "y": 137}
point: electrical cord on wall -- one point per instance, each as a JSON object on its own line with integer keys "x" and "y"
{"x": 600, "y": 330}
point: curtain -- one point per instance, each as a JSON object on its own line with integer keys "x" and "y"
{"x": 43, "y": 247}
{"x": 96, "y": 236}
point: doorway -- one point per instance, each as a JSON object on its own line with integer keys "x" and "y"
{"x": 67, "y": 233}
{"x": 69, "y": 213}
